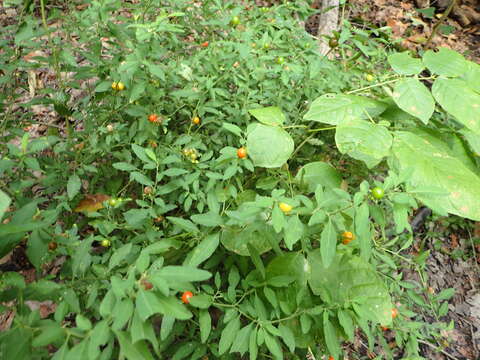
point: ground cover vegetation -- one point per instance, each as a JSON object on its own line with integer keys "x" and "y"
{"x": 208, "y": 186}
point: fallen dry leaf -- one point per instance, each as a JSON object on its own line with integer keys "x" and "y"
{"x": 91, "y": 203}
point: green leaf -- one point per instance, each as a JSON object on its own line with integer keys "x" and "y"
{"x": 136, "y": 217}
{"x": 175, "y": 273}
{"x": 124, "y": 166}
{"x": 331, "y": 339}
{"x": 350, "y": 279}
{"x": 346, "y": 321}
{"x": 228, "y": 335}
{"x": 404, "y": 64}
{"x": 319, "y": 173}
{"x": 209, "y": 219}
{"x": 184, "y": 224}
{"x": 147, "y": 304}
{"x": 259, "y": 143}
{"x": 363, "y": 140}
{"x": 293, "y": 231}
{"x": 291, "y": 266}
{"x": 83, "y": 323}
{"x": 252, "y": 345}
{"x": 458, "y": 99}
{"x": 256, "y": 259}
{"x": 137, "y": 351}
{"x": 142, "y": 330}
{"x": 414, "y": 98}
{"x": 201, "y": 301}
{"x": 338, "y": 108}
{"x": 362, "y": 229}
{"x": 287, "y": 336}
{"x": 167, "y": 326}
{"x": 271, "y": 115}
{"x": 432, "y": 163}
{"x": 328, "y": 243}
{"x": 205, "y": 322}
{"x": 472, "y": 76}
{"x": 203, "y": 251}
{"x": 257, "y": 234}
{"x": 119, "y": 255}
{"x": 240, "y": 343}
{"x": 140, "y": 178}
{"x": 445, "y": 62}
{"x": 445, "y": 294}
{"x": 234, "y": 129}
{"x": 273, "y": 346}
{"x": 4, "y": 203}
{"x": 73, "y": 186}
{"x": 173, "y": 307}
{"x": 49, "y": 334}
{"x": 140, "y": 152}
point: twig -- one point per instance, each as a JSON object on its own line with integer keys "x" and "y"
{"x": 437, "y": 348}
{"x": 442, "y": 19}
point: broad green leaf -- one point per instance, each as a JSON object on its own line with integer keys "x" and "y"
{"x": 147, "y": 304}
{"x": 414, "y": 98}
{"x": 273, "y": 346}
{"x": 142, "y": 330}
{"x": 445, "y": 62}
{"x": 184, "y": 224}
{"x": 228, "y": 335}
{"x": 175, "y": 273}
{"x": 140, "y": 178}
{"x": 432, "y": 164}
{"x": 205, "y": 322}
{"x": 140, "y": 152}
{"x": 271, "y": 115}
{"x": 319, "y": 173}
{"x": 49, "y": 334}
{"x": 201, "y": 301}
{"x": 349, "y": 279}
{"x": 173, "y": 307}
{"x": 331, "y": 339}
{"x": 338, "y": 108}
{"x": 124, "y": 166}
{"x": 256, "y": 259}
{"x": 472, "y": 139}
{"x": 293, "y": 231}
{"x": 252, "y": 345}
{"x": 167, "y": 326}
{"x": 260, "y": 140}
{"x": 328, "y": 243}
{"x": 257, "y": 234}
{"x": 203, "y": 250}
{"x": 404, "y": 64}
{"x": 137, "y": 351}
{"x": 4, "y": 203}
{"x": 458, "y": 99}
{"x": 240, "y": 344}
{"x": 362, "y": 229}
{"x": 119, "y": 255}
{"x": 345, "y": 319}
{"x": 209, "y": 219}
{"x": 136, "y": 217}
{"x": 363, "y": 140}
{"x": 287, "y": 336}
{"x": 73, "y": 186}
{"x": 83, "y": 323}
{"x": 234, "y": 129}
{"x": 472, "y": 76}
{"x": 289, "y": 265}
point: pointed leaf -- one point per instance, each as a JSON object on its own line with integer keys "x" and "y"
{"x": 414, "y": 98}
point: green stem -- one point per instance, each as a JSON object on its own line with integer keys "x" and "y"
{"x": 441, "y": 21}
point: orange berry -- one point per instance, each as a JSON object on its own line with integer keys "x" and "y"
{"x": 394, "y": 313}
{"x": 242, "y": 153}
{"x": 347, "y": 236}
{"x": 196, "y": 120}
{"x": 204, "y": 44}
{"x": 153, "y": 118}
{"x": 186, "y": 297}
{"x": 52, "y": 245}
{"x": 147, "y": 285}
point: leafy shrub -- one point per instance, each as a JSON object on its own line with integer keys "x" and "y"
{"x": 144, "y": 209}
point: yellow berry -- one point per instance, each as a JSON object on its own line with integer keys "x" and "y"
{"x": 286, "y": 208}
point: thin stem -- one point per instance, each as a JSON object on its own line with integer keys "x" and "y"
{"x": 441, "y": 21}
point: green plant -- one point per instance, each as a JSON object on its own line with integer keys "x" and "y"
{"x": 179, "y": 245}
